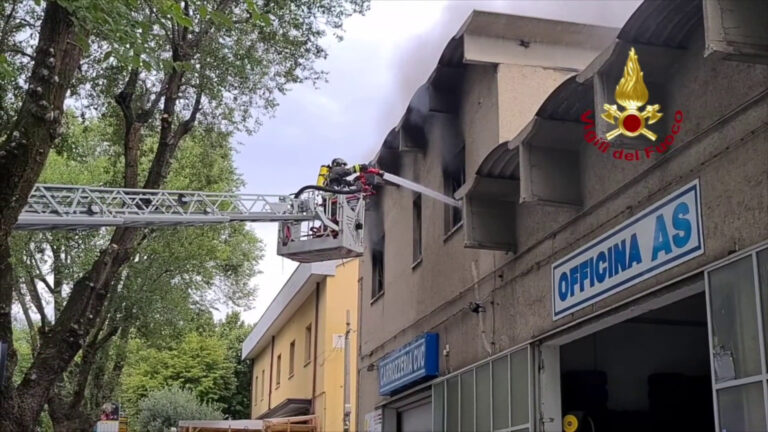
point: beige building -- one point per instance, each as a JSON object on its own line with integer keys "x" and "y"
{"x": 593, "y": 279}
{"x": 297, "y": 347}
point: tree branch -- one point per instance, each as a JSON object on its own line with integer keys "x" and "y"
{"x": 124, "y": 99}
{"x": 37, "y": 301}
{"x": 20, "y": 52}
{"x": 184, "y": 127}
{"x": 40, "y": 275}
{"x": 145, "y": 114}
{"x": 27, "y": 317}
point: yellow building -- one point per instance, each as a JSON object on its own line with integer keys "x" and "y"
{"x": 297, "y": 347}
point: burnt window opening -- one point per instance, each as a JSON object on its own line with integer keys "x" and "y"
{"x": 377, "y": 270}
{"x": 454, "y": 176}
{"x": 417, "y": 229}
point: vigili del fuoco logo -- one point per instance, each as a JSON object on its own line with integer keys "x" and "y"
{"x": 633, "y": 121}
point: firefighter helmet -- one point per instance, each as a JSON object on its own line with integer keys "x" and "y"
{"x": 338, "y": 162}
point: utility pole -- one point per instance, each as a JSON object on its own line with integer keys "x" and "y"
{"x": 347, "y": 404}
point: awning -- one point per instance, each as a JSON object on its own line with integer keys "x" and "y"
{"x": 294, "y": 424}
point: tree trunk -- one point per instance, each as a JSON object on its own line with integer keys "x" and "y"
{"x": 22, "y": 157}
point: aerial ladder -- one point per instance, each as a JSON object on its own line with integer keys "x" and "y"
{"x": 315, "y": 224}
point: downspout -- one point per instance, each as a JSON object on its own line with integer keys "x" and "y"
{"x": 271, "y": 361}
{"x": 316, "y": 329}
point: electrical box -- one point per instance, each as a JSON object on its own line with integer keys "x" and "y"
{"x": 336, "y": 233}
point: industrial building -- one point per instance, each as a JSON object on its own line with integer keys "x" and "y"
{"x": 609, "y": 267}
{"x": 297, "y": 348}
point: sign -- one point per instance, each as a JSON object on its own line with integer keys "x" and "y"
{"x": 409, "y": 365}
{"x": 659, "y": 238}
{"x": 632, "y": 94}
{"x": 372, "y": 421}
{"x": 338, "y": 341}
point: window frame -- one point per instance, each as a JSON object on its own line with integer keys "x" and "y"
{"x": 377, "y": 272}
{"x": 255, "y": 389}
{"x": 441, "y": 385}
{"x": 761, "y": 377}
{"x": 417, "y": 222}
{"x": 452, "y": 182}
{"x": 291, "y": 358}
{"x": 307, "y": 344}
{"x": 263, "y": 373}
{"x": 278, "y": 361}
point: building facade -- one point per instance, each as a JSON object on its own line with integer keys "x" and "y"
{"x": 297, "y": 347}
{"x": 609, "y": 265}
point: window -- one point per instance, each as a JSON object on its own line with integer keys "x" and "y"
{"x": 377, "y": 270}
{"x": 494, "y": 396}
{"x": 262, "y": 384}
{"x": 417, "y": 229}
{"x": 738, "y": 294}
{"x": 291, "y": 358}
{"x": 454, "y": 176}
{"x": 255, "y": 388}
{"x": 308, "y": 344}
{"x": 277, "y": 371}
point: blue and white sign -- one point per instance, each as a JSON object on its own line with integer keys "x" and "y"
{"x": 409, "y": 365}
{"x": 661, "y": 237}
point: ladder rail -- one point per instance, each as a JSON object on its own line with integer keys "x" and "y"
{"x": 51, "y": 206}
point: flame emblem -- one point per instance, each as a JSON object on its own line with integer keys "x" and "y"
{"x": 631, "y": 93}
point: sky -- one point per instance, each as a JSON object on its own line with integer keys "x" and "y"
{"x": 384, "y": 57}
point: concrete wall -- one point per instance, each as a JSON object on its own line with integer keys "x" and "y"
{"x": 338, "y": 296}
{"x": 723, "y": 143}
{"x": 260, "y": 388}
{"x": 298, "y": 385}
{"x": 493, "y": 103}
{"x": 335, "y": 295}
{"x": 522, "y": 89}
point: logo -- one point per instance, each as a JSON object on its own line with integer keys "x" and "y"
{"x": 632, "y": 94}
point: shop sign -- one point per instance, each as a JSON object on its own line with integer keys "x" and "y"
{"x": 372, "y": 421}
{"x": 659, "y": 238}
{"x": 411, "y": 364}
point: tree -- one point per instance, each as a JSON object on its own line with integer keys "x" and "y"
{"x": 175, "y": 272}
{"x": 162, "y": 410}
{"x": 233, "y": 331}
{"x": 198, "y": 364}
{"x": 211, "y": 62}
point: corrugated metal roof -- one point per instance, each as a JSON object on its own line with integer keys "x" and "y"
{"x": 501, "y": 162}
{"x": 662, "y": 23}
{"x": 568, "y": 101}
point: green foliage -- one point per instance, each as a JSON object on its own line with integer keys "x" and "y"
{"x": 21, "y": 343}
{"x": 233, "y": 331}
{"x": 162, "y": 409}
{"x": 206, "y": 362}
{"x": 198, "y": 364}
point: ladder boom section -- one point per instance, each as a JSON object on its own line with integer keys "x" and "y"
{"x": 83, "y": 207}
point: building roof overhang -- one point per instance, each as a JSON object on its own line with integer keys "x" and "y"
{"x": 291, "y": 296}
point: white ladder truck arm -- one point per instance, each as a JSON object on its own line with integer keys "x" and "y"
{"x": 315, "y": 224}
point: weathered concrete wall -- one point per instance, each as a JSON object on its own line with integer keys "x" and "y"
{"x": 522, "y": 89}
{"x": 414, "y": 291}
{"x": 728, "y": 153}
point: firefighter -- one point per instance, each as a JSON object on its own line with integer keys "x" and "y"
{"x": 336, "y": 174}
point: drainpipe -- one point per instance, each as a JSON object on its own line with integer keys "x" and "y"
{"x": 315, "y": 330}
{"x": 271, "y": 361}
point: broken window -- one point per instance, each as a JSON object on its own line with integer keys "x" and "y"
{"x": 454, "y": 176}
{"x": 417, "y": 229}
{"x": 377, "y": 269}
